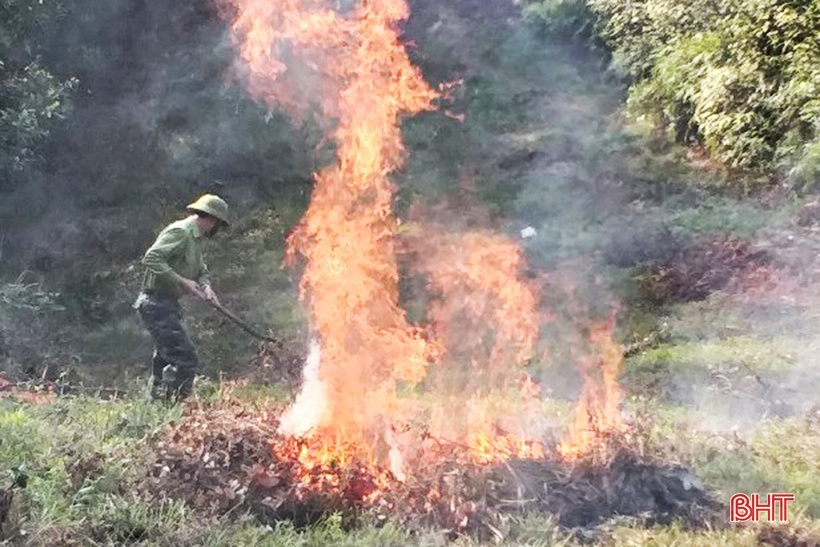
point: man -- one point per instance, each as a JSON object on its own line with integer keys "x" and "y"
{"x": 173, "y": 267}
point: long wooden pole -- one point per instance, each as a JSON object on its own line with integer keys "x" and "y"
{"x": 243, "y": 325}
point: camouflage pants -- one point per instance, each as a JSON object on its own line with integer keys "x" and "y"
{"x": 175, "y": 358}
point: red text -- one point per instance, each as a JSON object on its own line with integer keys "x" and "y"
{"x": 744, "y": 508}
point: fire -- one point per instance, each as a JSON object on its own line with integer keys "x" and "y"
{"x": 484, "y": 319}
{"x": 482, "y": 312}
{"x": 350, "y": 278}
{"x": 598, "y": 415}
{"x": 483, "y": 322}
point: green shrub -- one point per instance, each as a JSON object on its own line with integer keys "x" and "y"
{"x": 26, "y": 296}
{"x": 31, "y": 97}
{"x": 739, "y": 77}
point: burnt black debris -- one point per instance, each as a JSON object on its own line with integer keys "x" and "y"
{"x": 587, "y": 495}
{"x": 231, "y": 460}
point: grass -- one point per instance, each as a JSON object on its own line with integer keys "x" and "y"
{"x": 82, "y": 457}
{"x": 789, "y": 452}
{"x": 529, "y": 531}
{"x": 719, "y": 215}
{"x": 759, "y": 355}
{"x": 778, "y": 455}
{"x": 677, "y": 537}
{"x": 263, "y": 393}
{"x": 79, "y": 456}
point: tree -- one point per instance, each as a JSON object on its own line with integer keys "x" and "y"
{"x": 31, "y": 98}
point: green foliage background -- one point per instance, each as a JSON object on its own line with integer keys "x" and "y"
{"x": 740, "y": 77}
{"x": 32, "y": 99}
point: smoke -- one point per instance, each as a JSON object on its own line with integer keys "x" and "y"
{"x": 306, "y": 412}
{"x": 161, "y": 115}
{"x": 607, "y": 207}
{"x": 158, "y": 119}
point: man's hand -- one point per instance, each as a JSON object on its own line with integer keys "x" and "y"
{"x": 193, "y": 288}
{"x": 210, "y": 295}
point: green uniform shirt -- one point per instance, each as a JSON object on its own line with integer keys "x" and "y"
{"x": 176, "y": 254}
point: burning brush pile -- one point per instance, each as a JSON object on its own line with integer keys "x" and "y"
{"x": 434, "y": 422}
{"x": 233, "y": 457}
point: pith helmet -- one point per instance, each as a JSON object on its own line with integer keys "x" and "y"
{"x": 211, "y": 205}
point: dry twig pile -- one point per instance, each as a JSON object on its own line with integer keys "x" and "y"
{"x": 229, "y": 459}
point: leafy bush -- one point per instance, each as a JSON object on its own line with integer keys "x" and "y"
{"x": 740, "y": 76}
{"x": 31, "y": 98}
{"x": 25, "y": 309}
{"x": 804, "y": 171}
{"x": 21, "y": 296}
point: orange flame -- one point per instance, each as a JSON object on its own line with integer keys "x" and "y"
{"x": 598, "y": 413}
{"x": 484, "y": 319}
{"x": 482, "y": 310}
{"x": 350, "y": 280}
{"x": 483, "y": 322}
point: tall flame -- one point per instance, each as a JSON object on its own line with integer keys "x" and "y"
{"x": 350, "y": 281}
{"x": 484, "y": 320}
{"x": 300, "y": 55}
